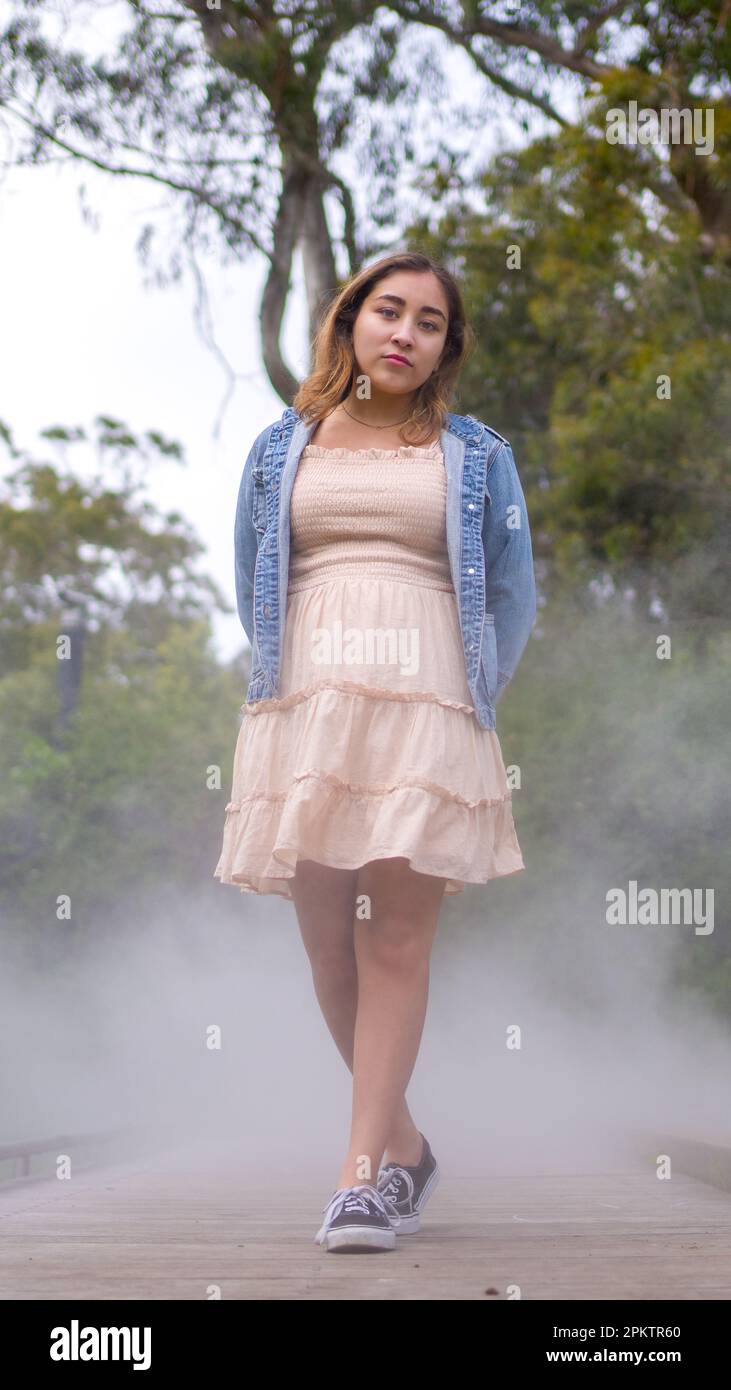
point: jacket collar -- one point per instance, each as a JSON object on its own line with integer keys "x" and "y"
{"x": 464, "y": 426}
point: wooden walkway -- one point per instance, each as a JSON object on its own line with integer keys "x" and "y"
{"x": 185, "y": 1231}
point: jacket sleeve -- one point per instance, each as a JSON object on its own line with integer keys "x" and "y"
{"x": 246, "y": 539}
{"x": 510, "y": 587}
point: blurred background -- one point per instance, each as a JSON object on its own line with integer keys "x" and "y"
{"x": 182, "y": 188}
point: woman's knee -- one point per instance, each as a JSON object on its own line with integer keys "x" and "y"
{"x": 394, "y": 944}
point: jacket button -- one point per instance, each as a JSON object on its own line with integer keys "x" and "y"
{"x": 471, "y": 506}
{"x": 266, "y": 610}
{"x": 470, "y": 570}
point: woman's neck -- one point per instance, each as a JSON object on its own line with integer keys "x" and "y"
{"x": 386, "y": 412}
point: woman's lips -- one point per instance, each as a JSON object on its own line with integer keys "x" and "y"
{"x": 400, "y": 361}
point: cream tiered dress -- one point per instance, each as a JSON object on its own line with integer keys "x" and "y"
{"x": 372, "y": 748}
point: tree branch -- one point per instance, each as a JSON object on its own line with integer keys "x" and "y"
{"x": 591, "y": 29}
{"x": 158, "y": 14}
{"x": 462, "y": 39}
{"x": 512, "y": 88}
{"x": 507, "y": 34}
{"x": 349, "y": 229}
{"x": 128, "y": 172}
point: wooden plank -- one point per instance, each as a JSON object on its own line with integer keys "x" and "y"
{"x": 173, "y": 1230}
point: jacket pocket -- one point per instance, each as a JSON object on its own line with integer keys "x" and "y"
{"x": 488, "y": 656}
{"x": 259, "y": 505}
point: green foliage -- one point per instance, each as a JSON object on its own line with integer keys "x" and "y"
{"x": 124, "y": 799}
{"x": 91, "y": 549}
{"x": 592, "y": 304}
{"x": 105, "y": 744}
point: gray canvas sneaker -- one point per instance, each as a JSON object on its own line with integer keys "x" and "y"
{"x": 358, "y": 1218}
{"x": 408, "y": 1189}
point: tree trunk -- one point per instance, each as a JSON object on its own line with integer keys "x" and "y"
{"x": 300, "y": 220}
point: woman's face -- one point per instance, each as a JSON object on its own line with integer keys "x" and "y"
{"x": 405, "y": 314}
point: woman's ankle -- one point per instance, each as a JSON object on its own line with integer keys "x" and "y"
{"x": 406, "y": 1149}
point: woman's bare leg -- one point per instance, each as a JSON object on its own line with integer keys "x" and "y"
{"x": 324, "y": 900}
{"x": 392, "y": 949}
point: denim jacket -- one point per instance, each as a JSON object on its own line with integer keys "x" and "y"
{"x": 488, "y": 544}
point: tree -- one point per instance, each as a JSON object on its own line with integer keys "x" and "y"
{"x": 78, "y": 556}
{"x": 105, "y": 776}
{"x": 206, "y": 99}
{"x": 603, "y": 349}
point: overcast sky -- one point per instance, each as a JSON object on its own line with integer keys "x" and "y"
{"x": 82, "y": 335}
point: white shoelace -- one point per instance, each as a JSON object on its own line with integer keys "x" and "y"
{"x": 389, "y": 1172}
{"x": 350, "y": 1199}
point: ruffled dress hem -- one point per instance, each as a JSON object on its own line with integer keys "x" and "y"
{"x": 320, "y": 813}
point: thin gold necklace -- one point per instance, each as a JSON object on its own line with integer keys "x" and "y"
{"x": 374, "y": 427}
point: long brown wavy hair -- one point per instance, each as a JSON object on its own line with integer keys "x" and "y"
{"x": 331, "y": 379}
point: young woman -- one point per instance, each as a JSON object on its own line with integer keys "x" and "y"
{"x": 384, "y": 577}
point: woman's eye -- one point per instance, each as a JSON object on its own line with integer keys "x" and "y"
{"x": 426, "y": 322}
